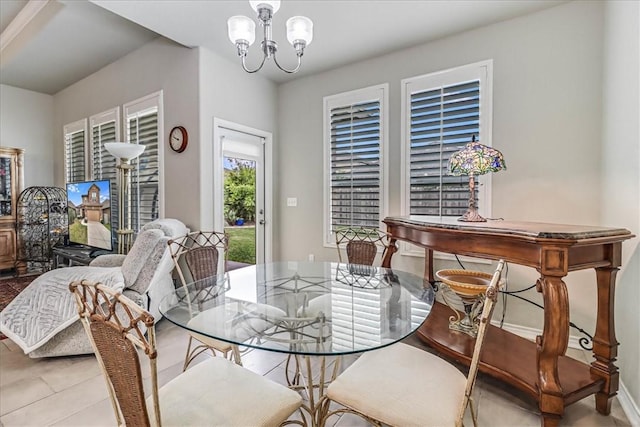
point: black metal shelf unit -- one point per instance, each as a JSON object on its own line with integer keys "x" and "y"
{"x": 42, "y": 223}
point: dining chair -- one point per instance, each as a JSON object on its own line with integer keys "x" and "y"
{"x": 361, "y": 244}
{"x": 402, "y": 385}
{"x": 213, "y": 392}
{"x": 198, "y": 256}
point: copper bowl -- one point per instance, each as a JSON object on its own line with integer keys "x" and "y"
{"x": 465, "y": 282}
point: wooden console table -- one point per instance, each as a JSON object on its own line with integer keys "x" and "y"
{"x": 540, "y": 369}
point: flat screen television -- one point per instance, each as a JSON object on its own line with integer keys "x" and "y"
{"x": 89, "y": 210}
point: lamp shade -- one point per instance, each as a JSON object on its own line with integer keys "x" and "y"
{"x": 241, "y": 28}
{"x": 257, "y": 4}
{"x": 124, "y": 150}
{"x": 299, "y": 28}
{"x": 476, "y": 159}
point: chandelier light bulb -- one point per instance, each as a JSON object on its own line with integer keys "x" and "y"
{"x": 299, "y": 28}
{"x": 274, "y": 5}
{"x": 241, "y": 28}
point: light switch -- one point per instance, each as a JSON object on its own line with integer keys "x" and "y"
{"x": 292, "y": 201}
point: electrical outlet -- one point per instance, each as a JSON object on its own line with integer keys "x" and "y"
{"x": 312, "y": 257}
{"x": 292, "y": 201}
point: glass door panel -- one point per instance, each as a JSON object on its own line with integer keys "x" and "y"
{"x": 5, "y": 186}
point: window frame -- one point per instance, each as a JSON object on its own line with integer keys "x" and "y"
{"x": 113, "y": 114}
{"x": 138, "y": 106}
{"x": 70, "y": 128}
{"x": 482, "y": 71}
{"x": 378, "y": 93}
{"x": 110, "y": 115}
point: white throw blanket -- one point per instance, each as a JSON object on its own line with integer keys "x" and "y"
{"x": 46, "y": 306}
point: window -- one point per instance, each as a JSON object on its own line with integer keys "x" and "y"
{"x": 143, "y": 119}
{"x": 355, "y": 134}
{"x": 75, "y": 158}
{"x": 441, "y": 112}
{"x": 105, "y": 127}
{"x": 90, "y": 160}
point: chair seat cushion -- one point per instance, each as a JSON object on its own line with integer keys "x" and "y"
{"x": 315, "y": 306}
{"x": 217, "y": 321}
{"x": 216, "y": 392}
{"x": 437, "y": 387}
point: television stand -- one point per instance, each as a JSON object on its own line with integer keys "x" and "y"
{"x": 67, "y": 256}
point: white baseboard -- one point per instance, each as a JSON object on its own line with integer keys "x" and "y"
{"x": 628, "y": 405}
{"x": 532, "y": 333}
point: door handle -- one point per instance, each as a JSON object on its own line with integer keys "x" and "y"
{"x": 262, "y": 222}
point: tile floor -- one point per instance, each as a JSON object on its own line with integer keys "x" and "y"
{"x": 70, "y": 391}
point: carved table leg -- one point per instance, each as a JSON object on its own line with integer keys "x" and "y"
{"x": 393, "y": 247}
{"x": 552, "y": 344}
{"x": 428, "y": 266}
{"x": 605, "y": 345}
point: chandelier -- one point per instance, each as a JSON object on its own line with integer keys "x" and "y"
{"x": 242, "y": 33}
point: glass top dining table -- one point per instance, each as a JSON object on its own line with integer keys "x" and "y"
{"x": 303, "y": 308}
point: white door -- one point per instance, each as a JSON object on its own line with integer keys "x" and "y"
{"x": 242, "y": 147}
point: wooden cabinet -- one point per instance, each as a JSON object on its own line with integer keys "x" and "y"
{"x": 11, "y": 183}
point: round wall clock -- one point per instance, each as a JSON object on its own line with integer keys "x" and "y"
{"x": 178, "y": 139}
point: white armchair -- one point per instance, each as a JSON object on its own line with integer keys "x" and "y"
{"x": 43, "y": 319}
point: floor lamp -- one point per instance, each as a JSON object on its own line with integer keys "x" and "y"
{"x": 125, "y": 152}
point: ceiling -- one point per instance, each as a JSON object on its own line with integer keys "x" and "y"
{"x": 67, "y": 40}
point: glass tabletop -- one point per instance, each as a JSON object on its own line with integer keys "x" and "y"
{"x": 307, "y": 308}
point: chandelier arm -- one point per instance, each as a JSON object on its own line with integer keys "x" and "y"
{"x": 275, "y": 59}
{"x": 244, "y": 65}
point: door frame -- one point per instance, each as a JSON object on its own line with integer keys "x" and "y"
{"x": 218, "y": 179}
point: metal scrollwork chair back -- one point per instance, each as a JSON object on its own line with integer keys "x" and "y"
{"x": 118, "y": 328}
{"x": 404, "y": 384}
{"x": 198, "y": 257}
{"x": 361, "y": 244}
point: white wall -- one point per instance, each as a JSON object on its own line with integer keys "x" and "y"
{"x": 229, "y": 93}
{"x": 547, "y": 115}
{"x": 621, "y": 173}
{"x": 26, "y": 121}
{"x": 197, "y": 86}
{"x": 159, "y": 65}
{"x": 572, "y": 153}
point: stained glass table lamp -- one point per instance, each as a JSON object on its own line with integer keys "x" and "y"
{"x": 475, "y": 159}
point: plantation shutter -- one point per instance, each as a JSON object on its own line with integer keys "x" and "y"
{"x": 443, "y": 120}
{"x": 355, "y": 165}
{"x": 104, "y": 164}
{"x": 75, "y": 155}
{"x": 143, "y": 129}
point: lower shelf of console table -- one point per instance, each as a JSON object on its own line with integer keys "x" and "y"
{"x": 507, "y": 357}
